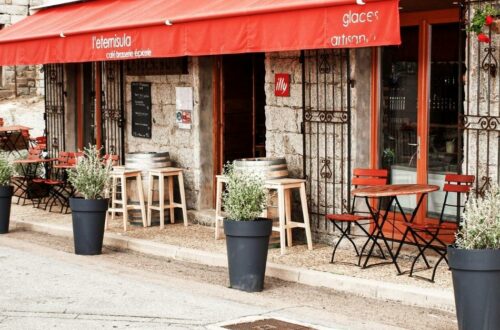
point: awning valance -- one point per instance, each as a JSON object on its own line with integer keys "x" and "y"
{"x": 103, "y": 30}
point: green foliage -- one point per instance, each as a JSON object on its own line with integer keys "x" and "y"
{"x": 38, "y": 168}
{"x": 245, "y": 196}
{"x": 91, "y": 177}
{"x": 479, "y": 19}
{"x": 481, "y": 222}
{"x": 6, "y": 170}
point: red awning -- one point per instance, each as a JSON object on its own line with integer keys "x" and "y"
{"x": 126, "y": 29}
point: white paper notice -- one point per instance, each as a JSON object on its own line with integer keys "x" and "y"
{"x": 184, "y": 98}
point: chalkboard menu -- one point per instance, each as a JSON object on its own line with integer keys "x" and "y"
{"x": 141, "y": 110}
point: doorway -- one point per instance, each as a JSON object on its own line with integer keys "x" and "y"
{"x": 239, "y": 109}
{"x": 421, "y": 106}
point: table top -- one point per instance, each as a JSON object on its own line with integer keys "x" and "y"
{"x": 391, "y": 190}
{"x": 33, "y": 160}
{"x": 64, "y": 166}
{"x": 14, "y": 128}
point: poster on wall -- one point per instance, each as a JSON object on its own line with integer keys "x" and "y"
{"x": 141, "y": 110}
{"x": 184, "y": 107}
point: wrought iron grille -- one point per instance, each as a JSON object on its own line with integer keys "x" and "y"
{"x": 326, "y": 133}
{"x": 54, "y": 108}
{"x": 481, "y": 120}
{"x": 112, "y": 108}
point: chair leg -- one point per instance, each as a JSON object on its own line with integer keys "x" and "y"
{"x": 370, "y": 238}
{"x": 345, "y": 233}
{"x": 421, "y": 252}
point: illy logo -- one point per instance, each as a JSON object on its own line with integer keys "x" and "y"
{"x": 282, "y": 84}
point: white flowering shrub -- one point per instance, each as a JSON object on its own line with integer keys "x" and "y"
{"x": 91, "y": 177}
{"x": 6, "y": 170}
{"x": 245, "y": 196}
{"x": 481, "y": 222}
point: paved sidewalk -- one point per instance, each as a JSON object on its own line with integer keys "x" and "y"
{"x": 45, "y": 285}
{"x": 407, "y": 294}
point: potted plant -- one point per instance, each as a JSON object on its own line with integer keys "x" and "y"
{"x": 247, "y": 235}
{"x": 475, "y": 263}
{"x": 6, "y": 191}
{"x": 486, "y": 16}
{"x": 90, "y": 178}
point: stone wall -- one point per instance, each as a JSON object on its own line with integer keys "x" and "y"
{"x": 187, "y": 147}
{"x": 284, "y": 138}
{"x": 23, "y": 80}
{"x": 482, "y": 111}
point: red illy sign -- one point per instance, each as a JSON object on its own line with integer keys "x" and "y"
{"x": 282, "y": 84}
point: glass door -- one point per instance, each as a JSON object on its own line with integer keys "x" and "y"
{"x": 420, "y": 109}
{"x": 399, "y": 111}
{"x": 445, "y": 143}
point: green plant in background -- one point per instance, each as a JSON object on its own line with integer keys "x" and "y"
{"x": 481, "y": 222}
{"x": 483, "y": 17}
{"x": 91, "y": 176}
{"x": 245, "y": 196}
{"x": 389, "y": 155}
{"x": 6, "y": 170}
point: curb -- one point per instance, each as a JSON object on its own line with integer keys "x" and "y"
{"x": 406, "y": 294}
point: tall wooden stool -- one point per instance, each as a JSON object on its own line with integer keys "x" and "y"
{"x": 168, "y": 173}
{"x": 120, "y": 175}
{"x": 284, "y": 188}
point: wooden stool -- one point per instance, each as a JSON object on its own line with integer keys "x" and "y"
{"x": 120, "y": 175}
{"x": 168, "y": 173}
{"x": 284, "y": 188}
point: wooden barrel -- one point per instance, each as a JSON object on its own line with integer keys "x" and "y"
{"x": 145, "y": 161}
{"x": 269, "y": 168}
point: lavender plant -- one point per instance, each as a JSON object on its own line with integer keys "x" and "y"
{"x": 6, "y": 170}
{"x": 481, "y": 222}
{"x": 245, "y": 197}
{"x": 91, "y": 176}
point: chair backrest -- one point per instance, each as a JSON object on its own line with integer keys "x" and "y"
{"x": 459, "y": 184}
{"x": 115, "y": 159}
{"x": 369, "y": 177}
{"x": 62, "y": 158}
{"x": 73, "y": 157}
{"x": 25, "y": 133}
{"x": 41, "y": 140}
{"x": 1, "y": 122}
{"x": 34, "y": 153}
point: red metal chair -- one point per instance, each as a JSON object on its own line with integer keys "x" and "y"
{"x": 428, "y": 235}
{"x": 364, "y": 178}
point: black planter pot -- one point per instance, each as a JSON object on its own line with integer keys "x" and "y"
{"x": 89, "y": 217}
{"x": 5, "y": 202}
{"x": 476, "y": 282}
{"x": 247, "y": 243}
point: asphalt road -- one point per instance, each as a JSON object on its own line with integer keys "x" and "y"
{"x": 43, "y": 285}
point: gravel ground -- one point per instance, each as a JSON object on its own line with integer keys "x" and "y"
{"x": 389, "y": 313}
{"x": 202, "y": 237}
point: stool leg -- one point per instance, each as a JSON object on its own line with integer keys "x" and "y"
{"x": 183, "y": 198}
{"x": 161, "y": 199}
{"x": 288, "y": 212}
{"x": 218, "y": 209}
{"x": 170, "y": 180}
{"x": 150, "y": 197}
{"x": 305, "y": 214}
{"x": 124, "y": 201}
{"x": 281, "y": 208}
{"x": 113, "y": 198}
{"x": 140, "y": 191}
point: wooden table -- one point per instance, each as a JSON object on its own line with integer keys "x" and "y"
{"x": 392, "y": 191}
{"x": 12, "y": 140}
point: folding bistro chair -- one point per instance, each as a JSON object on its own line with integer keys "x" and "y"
{"x": 364, "y": 178}
{"x": 427, "y": 234}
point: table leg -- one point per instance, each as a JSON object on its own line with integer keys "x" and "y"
{"x": 380, "y": 233}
